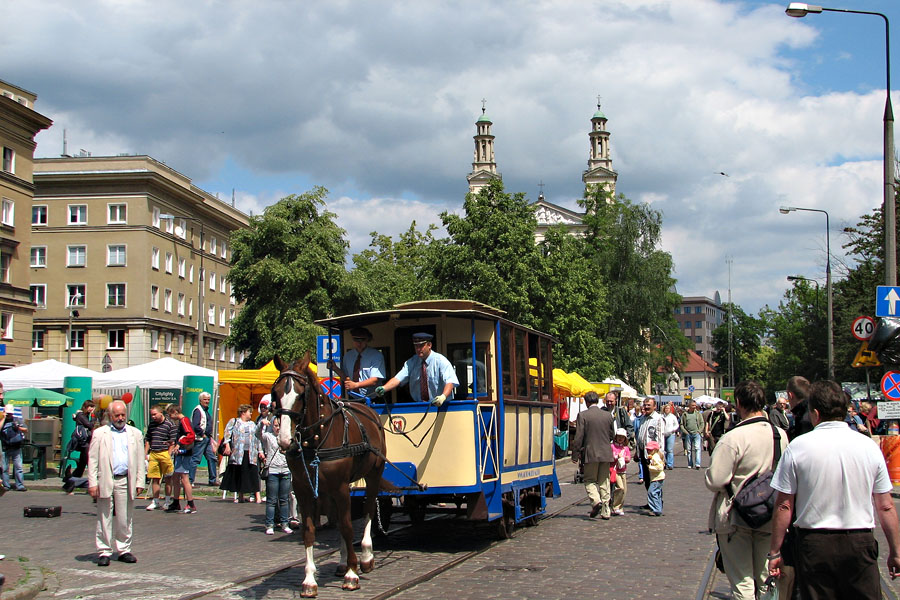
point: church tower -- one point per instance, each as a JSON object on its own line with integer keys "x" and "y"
{"x": 484, "y": 169}
{"x": 599, "y": 171}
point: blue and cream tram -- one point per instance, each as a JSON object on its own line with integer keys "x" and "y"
{"x": 490, "y": 447}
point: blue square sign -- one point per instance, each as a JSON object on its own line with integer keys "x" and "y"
{"x": 328, "y": 347}
{"x": 887, "y": 301}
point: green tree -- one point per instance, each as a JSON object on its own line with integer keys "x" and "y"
{"x": 746, "y": 332}
{"x": 798, "y": 334}
{"x": 490, "y": 255}
{"x": 388, "y": 272}
{"x": 287, "y": 270}
{"x": 574, "y": 309}
{"x": 622, "y": 245}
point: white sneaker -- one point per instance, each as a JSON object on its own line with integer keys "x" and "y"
{"x": 153, "y": 505}
{"x": 287, "y": 529}
{"x": 270, "y": 531}
{"x": 167, "y": 504}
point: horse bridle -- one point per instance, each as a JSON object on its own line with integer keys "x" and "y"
{"x": 289, "y": 376}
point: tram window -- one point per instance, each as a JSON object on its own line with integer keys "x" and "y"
{"x": 506, "y": 353}
{"x": 547, "y": 364}
{"x": 461, "y": 357}
{"x": 521, "y": 359}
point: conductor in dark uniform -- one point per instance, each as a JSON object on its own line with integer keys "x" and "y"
{"x": 596, "y": 429}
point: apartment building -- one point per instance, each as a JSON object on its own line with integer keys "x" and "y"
{"x": 698, "y": 317}
{"x": 129, "y": 263}
{"x": 19, "y": 124}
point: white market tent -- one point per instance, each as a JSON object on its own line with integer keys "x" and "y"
{"x": 163, "y": 373}
{"x": 627, "y": 390}
{"x": 44, "y": 375}
{"x": 705, "y": 400}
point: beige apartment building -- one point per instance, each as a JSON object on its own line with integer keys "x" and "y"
{"x": 19, "y": 123}
{"x": 126, "y": 256}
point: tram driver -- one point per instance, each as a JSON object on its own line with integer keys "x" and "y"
{"x": 430, "y": 375}
{"x": 367, "y": 364}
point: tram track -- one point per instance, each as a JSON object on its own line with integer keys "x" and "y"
{"x": 229, "y": 589}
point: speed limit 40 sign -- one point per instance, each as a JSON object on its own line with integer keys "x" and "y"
{"x": 863, "y": 328}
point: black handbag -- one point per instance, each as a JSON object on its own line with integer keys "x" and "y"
{"x": 755, "y": 501}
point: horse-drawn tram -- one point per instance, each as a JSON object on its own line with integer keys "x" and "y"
{"x": 489, "y": 446}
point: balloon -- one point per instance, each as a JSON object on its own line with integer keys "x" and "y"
{"x": 127, "y": 397}
{"x": 104, "y": 401}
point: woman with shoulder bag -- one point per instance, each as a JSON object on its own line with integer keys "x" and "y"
{"x": 740, "y": 456}
{"x": 243, "y": 452}
{"x": 84, "y": 430}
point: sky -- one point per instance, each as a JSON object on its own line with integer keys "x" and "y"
{"x": 719, "y": 111}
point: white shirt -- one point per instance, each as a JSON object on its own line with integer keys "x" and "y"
{"x": 832, "y": 472}
{"x": 672, "y": 425}
{"x": 120, "y": 450}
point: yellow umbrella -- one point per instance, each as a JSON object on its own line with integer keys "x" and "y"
{"x": 562, "y": 382}
{"x": 580, "y": 385}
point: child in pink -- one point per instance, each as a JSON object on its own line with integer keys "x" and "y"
{"x": 621, "y": 457}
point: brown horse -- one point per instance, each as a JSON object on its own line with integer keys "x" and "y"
{"x": 329, "y": 444}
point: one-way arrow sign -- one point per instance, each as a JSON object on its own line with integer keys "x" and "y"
{"x": 887, "y": 301}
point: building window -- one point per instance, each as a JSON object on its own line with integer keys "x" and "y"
{"x": 76, "y": 256}
{"x": 222, "y": 285}
{"x": 156, "y": 218}
{"x": 115, "y": 255}
{"x": 698, "y": 324}
{"x": 212, "y": 245}
{"x": 154, "y": 341}
{"x": 225, "y": 255}
{"x": 182, "y": 267}
{"x": 75, "y": 294}
{"x": 191, "y": 308}
{"x": 241, "y": 357}
{"x": 222, "y": 352}
{"x": 211, "y": 314}
{"x": 212, "y": 351}
{"x": 5, "y": 262}
{"x": 78, "y": 214}
{"x": 231, "y": 354}
{"x": 230, "y": 316}
{"x": 7, "y": 214}
{"x": 115, "y": 339}
{"x": 698, "y": 310}
{"x": 115, "y": 294}
{"x": 154, "y": 259}
{"x": 677, "y": 310}
{"x": 191, "y": 274}
{"x": 37, "y": 339}
{"x": 39, "y": 294}
{"x": 181, "y": 230}
{"x": 39, "y": 256}
{"x": 9, "y": 160}
{"x": 180, "y": 343}
{"x": 168, "y": 262}
{"x": 168, "y": 340}
{"x": 168, "y": 301}
{"x": 76, "y": 340}
{"x": 180, "y": 304}
{"x": 699, "y": 339}
{"x": 212, "y": 282}
{"x": 154, "y": 297}
{"x": 116, "y": 214}
{"x": 39, "y": 214}
{"x": 170, "y": 225}
{"x": 222, "y": 317}
{"x": 688, "y": 380}
{"x": 6, "y": 325}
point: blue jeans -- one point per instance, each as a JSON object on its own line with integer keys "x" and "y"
{"x": 670, "y": 451}
{"x": 655, "y": 496}
{"x": 278, "y": 495}
{"x": 695, "y": 444}
{"x": 13, "y": 455}
{"x": 203, "y": 448}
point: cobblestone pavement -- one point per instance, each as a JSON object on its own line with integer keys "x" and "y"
{"x": 567, "y": 556}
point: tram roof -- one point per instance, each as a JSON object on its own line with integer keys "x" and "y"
{"x": 425, "y": 308}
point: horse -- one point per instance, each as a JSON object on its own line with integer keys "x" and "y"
{"x": 328, "y": 444}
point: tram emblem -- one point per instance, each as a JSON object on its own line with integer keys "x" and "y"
{"x": 398, "y": 424}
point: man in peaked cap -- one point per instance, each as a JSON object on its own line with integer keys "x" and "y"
{"x": 430, "y": 375}
{"x": 366, "y": 364}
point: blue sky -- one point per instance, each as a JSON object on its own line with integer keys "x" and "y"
{"x": 377, "y": 102}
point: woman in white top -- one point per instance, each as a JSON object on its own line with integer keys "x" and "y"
{"x": 671, "y": 432}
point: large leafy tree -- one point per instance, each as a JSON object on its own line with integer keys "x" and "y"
{"x": 490, "y": 255}
{"x": 797, "y": 332}
{"x": 389, "y": 272}
{"x": 287, "y": 270}
{"x": 746, "y": 331}
{"x": 623, "y": 247}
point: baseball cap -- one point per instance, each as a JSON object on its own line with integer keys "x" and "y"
{"x": 652, "y": 445}
{"x": 621, "y": 432}
{"x": 265, "y": 400}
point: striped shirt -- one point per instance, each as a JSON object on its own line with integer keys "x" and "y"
{"x": 161, "y": 435}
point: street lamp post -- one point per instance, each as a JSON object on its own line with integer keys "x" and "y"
{"x": 200, "y": 297}
{"x": 813, "y": 281}
{"x": 830, "y": 312}
{"x": 801, "y": 9}
{"x": 73, "y": 313}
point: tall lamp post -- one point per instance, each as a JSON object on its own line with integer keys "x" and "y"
{"x": 830, "y": 313}
{"x": 801, "y": 9}
{"x": 813, "y": 281}
{"x": 73, "y": 314}
{"x": 200, "y": 298}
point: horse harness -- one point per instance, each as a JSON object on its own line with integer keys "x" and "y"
{"x": 306, "y": 437}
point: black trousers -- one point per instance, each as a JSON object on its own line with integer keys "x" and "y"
{"x": 645, "y": 470}
{"x": 837, "y": 564}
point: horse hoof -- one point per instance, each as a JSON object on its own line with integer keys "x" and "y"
{"x": 309, "y": 591}
{"x": 340, "y": 571}
{"x": 367, "y": 566}
{"x": 350, "y": 584}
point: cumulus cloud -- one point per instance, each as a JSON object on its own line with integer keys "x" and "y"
{"x": 377, "y": 102}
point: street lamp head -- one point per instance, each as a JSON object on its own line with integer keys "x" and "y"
{"x": 786, "y": 209}
{"x": 801, "y": 9}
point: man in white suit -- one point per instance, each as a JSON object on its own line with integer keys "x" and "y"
{"x": 116, "y": 473}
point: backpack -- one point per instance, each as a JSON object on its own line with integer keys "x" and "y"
{"x": 10, "y": 435}
{"x": 186, "y": 441}
{"x": 81, "y": 437}
{"x": 755, "y": 501}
